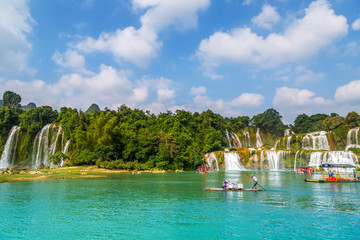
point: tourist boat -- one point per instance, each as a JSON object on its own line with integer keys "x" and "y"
{"x": 334, "y": 173}
{"x": 233, "y": 189}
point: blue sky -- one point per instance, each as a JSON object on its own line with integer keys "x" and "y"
{"x": 235, "y": 57}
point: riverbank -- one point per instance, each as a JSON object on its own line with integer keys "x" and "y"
{"x": 78, "y": 172}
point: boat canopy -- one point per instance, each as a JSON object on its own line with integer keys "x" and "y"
{"x": 337, "y": 165}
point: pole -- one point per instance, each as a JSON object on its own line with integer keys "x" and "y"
{"x": 250, "y": 177}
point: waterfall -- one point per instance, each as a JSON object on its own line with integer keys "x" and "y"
{"x": 212, "y": 161}
{"x": 297, "y": 153}
{"x": 316, "y": 141}
{"x": 277, "y": 142}
{"x": 9, "y": 153}
{"x": 236, "y": 139}
{"x": 232, "y": 161}
{"x": 247, "y": 142}
{"x": 288, "y": 143}
{"x": 65, "y": 150}
{"x": 228, "y": 138}
{"x": 45, "y": 144}
{"x": 333, "y": 157}
{"x": 259, "y": 143}
{"x": 353, "y": 134}
{"x": 288, "y": 132}
{"x": 273, "y": 158}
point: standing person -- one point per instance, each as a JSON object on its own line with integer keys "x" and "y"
{"x": 354, "y": 172}
{"x": 255, "y": 181}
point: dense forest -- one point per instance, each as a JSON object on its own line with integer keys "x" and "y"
{"x": 135, "y": 139}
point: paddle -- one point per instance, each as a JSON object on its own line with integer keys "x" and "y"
{"x": 249, "y": 176}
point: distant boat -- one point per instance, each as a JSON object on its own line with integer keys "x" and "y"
{"x": 233, "y": 189}
{"x": 335, "y": 173}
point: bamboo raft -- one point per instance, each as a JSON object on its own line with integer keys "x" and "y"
{"x": 233, "y": 189}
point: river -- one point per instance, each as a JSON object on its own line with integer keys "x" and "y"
{"x": 175, "y": 206}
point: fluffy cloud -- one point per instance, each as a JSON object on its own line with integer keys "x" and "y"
{"x": 227, "y": 108}
{"x": 15, "y": 24}
{"x": 302, "y": 39}
{"x": 162, "y": 13}
{"x": 349, "y": 92}
{"x": 267, "y": 18}
{"x": 139, "y": 46}
{"x": 70, "y": 60}
{"x": 108, "y": 86}
{"x": 295, "y": 98}
{"x": 248, "y": 100}
{"x": 356, "y": 24}
{"x": 198, "y": 90}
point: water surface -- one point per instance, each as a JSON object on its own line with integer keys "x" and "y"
{"x": 175, "y": 206}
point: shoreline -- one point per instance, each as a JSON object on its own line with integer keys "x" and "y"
{"x": 76, "y": 172}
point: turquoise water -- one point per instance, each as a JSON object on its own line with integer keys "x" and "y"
{"x": 175, "y": 206}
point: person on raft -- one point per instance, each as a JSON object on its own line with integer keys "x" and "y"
{"x": 225, "y": 184}
{"x": 255, "y": 182}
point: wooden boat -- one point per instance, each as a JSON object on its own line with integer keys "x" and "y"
{"x": 335, "y": 181}
{"x": 233, "y": 189}
{"x": 336, "y": 175}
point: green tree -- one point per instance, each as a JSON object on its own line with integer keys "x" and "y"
{"x": 269, "y": 121}
{"x": 353, "y": 119}
{"x": 11, "y": 100}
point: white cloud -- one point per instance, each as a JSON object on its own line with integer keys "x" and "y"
{"x": 162, "y": 13}
{"x": 349, "y": 92}
{"x": 139, "y": 46}
{"x": 248, "y": 100}
{"x": 294, "y": 98}
{"x": 356, "y": 25}
{"x": 267, "y": 18}
{"x": 109, "y": 86}
{"x": 227, "y": 108}
{"x": 302, "y": 39}
{"x": 16, "y": 24}
{"x": 70, "y": 60}
{"x": 198, "y": 90}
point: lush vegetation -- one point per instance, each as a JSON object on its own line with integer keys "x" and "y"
{"x": 135, "y": 139}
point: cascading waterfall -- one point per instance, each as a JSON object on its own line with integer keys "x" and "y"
{"x": 353, "y": 138}
{"x": 228, "y": 138}
{"x": 236, "y": 140}
{"x": 65, "y": 150}
{"x": 288, "y": 143}
{"x": 247, "y": 142}
{"x": 273, "y": 158}
{"x": 288, "y": 132}
{"x": 46, "y": 143}
{"x": 232, "y": 161}
{"x": 333, "y": 157}
{"x": 316, "y": 141}
{"x": 259, "y": 143}
{"x": 9, "y": 153}
{"x": 296, "y": 155}
{"x": 212, "y": 161}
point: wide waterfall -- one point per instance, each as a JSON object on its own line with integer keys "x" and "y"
{"x": 232, "y": 161}
{"x": 9, "y": 154}
{"x": 46, "y": 143}
{"x": 353, "y": 138}
{"x": 316, "y": 141}
{"x": 333, "y": 157}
